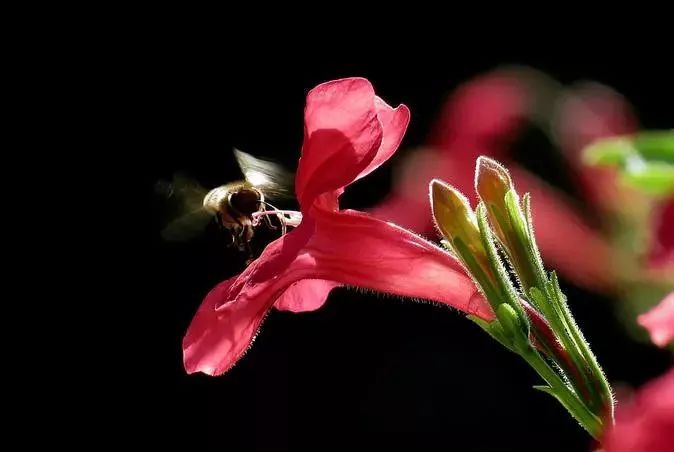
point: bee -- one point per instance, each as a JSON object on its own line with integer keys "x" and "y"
{"x": 237, "y": 207}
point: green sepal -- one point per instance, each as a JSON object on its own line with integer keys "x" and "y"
{"x": 536, "y": 295}
{"x": 494, "y": 329}
{"x": 525, "y": 256}
{"x": 534, "y": 253}
{"x": 477, "y": 272}
{"x": 595, "y": 421}
{"x": 514, "y": 209}
{"x": 497, "y": 265}
{"x": 513, "y": 327}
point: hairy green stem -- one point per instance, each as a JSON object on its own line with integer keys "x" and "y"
{"x": 564, "y": 394}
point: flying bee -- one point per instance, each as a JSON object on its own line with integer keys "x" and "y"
{"x": 237, "y": 207}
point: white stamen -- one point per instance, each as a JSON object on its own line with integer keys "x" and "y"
{"x": 287, "y": 217}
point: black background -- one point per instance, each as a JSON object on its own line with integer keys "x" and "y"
{"x": 365, "y": 369}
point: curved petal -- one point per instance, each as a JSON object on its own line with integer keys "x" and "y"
{"x": 306, "y": 295}
{"x": 342, "y": 134}
{"x": 394, "y": 123}
{"x": 345, "y": 247}
{"x": 480, "y": 118}
{"x": 231, "y": 314}
{"x": 357, "y": 249}
{"x": 215, "y": 340}
{"x": 659, "y": 321}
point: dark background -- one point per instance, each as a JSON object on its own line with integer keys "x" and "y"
{"x": 365, "y": 369}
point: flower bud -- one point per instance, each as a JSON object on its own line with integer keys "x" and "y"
{"x": 456, "y": 221}
{"x": 454, "y": 216}
{"x": 507, "y": 218}
{"x": 492, "y": 183}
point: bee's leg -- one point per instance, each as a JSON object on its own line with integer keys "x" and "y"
{"x": 249, "y": 252}
{"x": 246, "y": 236}
{"x": 246, "y": 232}
{"x": 284, "y": 227}
{"x": 234, "y": 232}
{"x": 280, "y": 217}
{"x": 224, "y": 230}
{"x": 232, "y": 238}
{"x": 267, "y": 220}
{"x": 239, "y": 232}
{"x": 269, "y": 223}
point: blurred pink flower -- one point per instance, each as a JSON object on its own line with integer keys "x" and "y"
{"x": 349, "y": 132}
{"x": 659, "y": 321}
{"x": 479, "y": 119}
{"x": 662, "y": 254}
{"x": 646, "y": 423}
{"x": 483, "y": 117}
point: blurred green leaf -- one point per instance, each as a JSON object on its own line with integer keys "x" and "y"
{"x": 654, "y": 178}
{"x": 646, "y": 160}
{"x": 656, "y": 145}
{"x": 611, "y": 151}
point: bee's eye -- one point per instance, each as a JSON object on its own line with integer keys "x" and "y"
{"x": 245, "y": 201}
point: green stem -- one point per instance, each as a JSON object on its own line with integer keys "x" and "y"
{"x": 564, "y": 394}
{"x": 591, "y": 359}
{"x": 564, "y": 326}
{"x": 559, "y": 316}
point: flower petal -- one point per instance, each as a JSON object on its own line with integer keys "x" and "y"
{"x": 231, "y": 314}
{"x": 480, "y": 118}
{"x": 394, "y": 123}
{"x": 359, "y": 250}
{"x": 647, "y": 422}
{"x": 484, "y": 111}
{"x": 662, "y": 251}
{"x": 659, "y": 321}
{"x": 341, "y": 137}
{"x": 306, "y": 295}
{"x": 344, "y": 247}
{"x": 590, "y": 111}
{"x": 215, "y": 340}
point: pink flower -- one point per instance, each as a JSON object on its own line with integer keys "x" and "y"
{"x": 662, "y": 253}
{"x": 349, "y": 132}
{"x": 645, "y": 423}
{"x": 589, "y": 112}
{"x": 659, "y": 321}
{"x": 482, "y": 118}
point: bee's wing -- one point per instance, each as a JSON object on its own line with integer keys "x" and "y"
{"x": 184, "y": 198}
{"x": 274, "y": 180}
{"x": 187, "y": 227}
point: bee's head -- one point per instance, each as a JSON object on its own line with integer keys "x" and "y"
{"x": 246, "y": 201}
